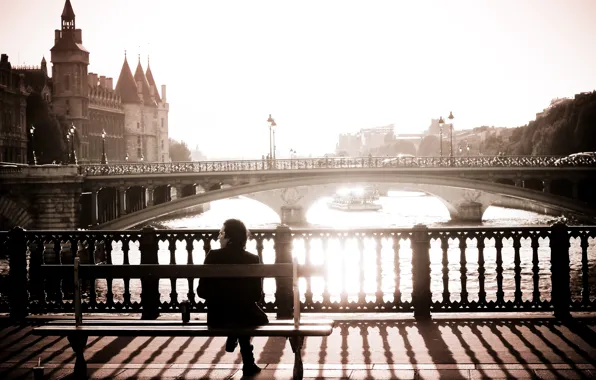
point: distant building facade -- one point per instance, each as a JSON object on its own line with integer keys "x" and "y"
{"x": 364, "y": 141}
{"x": 13, "y": 110}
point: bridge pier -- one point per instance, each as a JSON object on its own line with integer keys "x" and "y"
{"x": 469, "y": 212}
{"x": 293, "y": 216}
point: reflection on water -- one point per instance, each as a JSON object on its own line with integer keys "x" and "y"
{"x": 359, "y": 269}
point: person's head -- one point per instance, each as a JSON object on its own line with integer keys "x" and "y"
{"x": 234, "y": 233}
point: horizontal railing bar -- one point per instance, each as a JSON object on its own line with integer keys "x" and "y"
{"x": 180, "y": 271}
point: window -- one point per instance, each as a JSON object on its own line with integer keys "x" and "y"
{"x": 139, "y": 140}
{"x": 139, "y": 153}
{"x": 162, "y": 122}
{"x": 161, "y": 144}
{"x": 67, "y": 82}
{"x": 163, "y": 158}
{"x": 138, "y": 125}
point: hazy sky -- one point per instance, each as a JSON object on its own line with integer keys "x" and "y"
{"x": 323, "y": 67}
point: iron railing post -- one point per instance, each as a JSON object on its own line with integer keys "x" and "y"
{"x": 17, "y": 256}
{"x": 283, "y": 255}
{"x": 560, "y": 277}
{"x": 149, "y": 286}
{"x": 421, "y": 295}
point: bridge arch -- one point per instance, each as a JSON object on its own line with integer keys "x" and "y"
{"x": 13, "y": 213}
{"x": 132, "y": 219}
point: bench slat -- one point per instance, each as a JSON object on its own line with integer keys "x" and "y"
{"x": 136, "y": 322}
{"x": 180, "y": 271}
{"x": 134, "y": 331}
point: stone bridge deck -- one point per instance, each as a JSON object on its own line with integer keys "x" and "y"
{"x": 462, "y": 346}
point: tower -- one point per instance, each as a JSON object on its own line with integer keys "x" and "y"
{"x": 69, "y": 77}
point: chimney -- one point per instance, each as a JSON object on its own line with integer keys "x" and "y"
{"x": 57, "y": 35}
{"x": 78, "y": 36}
{"x": 90, "y": 79}
{"x": 110, "y": 84}
{"x": 163, "y": 93}
{"x": 102, "y": 81}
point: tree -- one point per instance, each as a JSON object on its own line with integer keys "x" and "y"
{"x": 49, "y": 139}
{"x": 179, "y": 151}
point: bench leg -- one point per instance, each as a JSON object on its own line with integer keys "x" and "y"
{"x": 78, "y": 343}
{"x": 296, "y": 343}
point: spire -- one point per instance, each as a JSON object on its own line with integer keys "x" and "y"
{"x": 140, "y": 77}
{"x": 126, "y": 86}
{"x": 151, "y": 81}
{"x": 68, "y": 16}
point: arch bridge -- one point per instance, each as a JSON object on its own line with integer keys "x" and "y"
{"x": 124, "y": 195}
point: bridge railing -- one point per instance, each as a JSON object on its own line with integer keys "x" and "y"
{"x": 325, "y": 163}
{"x": 420, "y": 270}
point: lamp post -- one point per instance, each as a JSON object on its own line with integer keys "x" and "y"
{"x": 441, "y": 122}
{"x": 450, "y": 117}
{"x": 104, "y": 159}
{"x": 73, "y": 157}
{"x": 126, "y": 157}
{"x": 33, "y": 158}
{"x": 142, "y": 157}
{"x": 272, "y": 125}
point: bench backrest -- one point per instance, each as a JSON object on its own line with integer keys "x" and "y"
{"x": 179, "y": 271}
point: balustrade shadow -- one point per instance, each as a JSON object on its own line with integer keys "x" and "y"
{"x": 200, "y": 352}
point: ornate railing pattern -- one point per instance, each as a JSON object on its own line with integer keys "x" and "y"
{"x": 328, "y": 163}
{"x": 421, "y": 269}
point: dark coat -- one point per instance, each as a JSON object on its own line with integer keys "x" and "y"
{"x": 232, "y": 301}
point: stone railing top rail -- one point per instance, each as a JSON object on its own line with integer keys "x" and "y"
{"x": 335, "y": 163}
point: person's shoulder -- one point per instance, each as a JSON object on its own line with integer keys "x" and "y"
{"x": 212, "y": 255}
{"x": 253, "y": 257}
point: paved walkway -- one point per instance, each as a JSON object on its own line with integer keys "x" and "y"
{"x": 376, "y": 346}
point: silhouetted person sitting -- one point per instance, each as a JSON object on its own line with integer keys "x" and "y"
{"x": 232, "y": 302}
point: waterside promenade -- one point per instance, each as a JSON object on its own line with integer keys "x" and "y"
{"x": 362, "y": 346}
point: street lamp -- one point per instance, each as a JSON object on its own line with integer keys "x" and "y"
{"x": 142, "y": 157}
{"x": 126, "y": 157}
{"x": 450, "y": 117}
{"x": 104, "y": 159}
{"x": 33, "y": 158}
{"x": 73, "y": 157}
{"x": 441, "y": 122}
{"x": 272, "y": 125}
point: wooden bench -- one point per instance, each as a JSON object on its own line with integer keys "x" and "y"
{"x": 77, "y": 332}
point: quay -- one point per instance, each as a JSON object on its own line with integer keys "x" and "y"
{"x": 362, "y": 346}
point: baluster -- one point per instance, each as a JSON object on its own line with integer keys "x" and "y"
{"x": 517, "y": 269}
{"x": 499, "y": 270}
{"x": 110, "y": 292}
{"x": 173, "y": 294}
{"x": 463, "y": 269}
{"x": 445, "y": 269}
{"x": 585, "y": 271}
{"x": 81, "y": 249}
{"x": 326, "y": 294}
{"x": 260, "y": 247}
{"x": 343, "y": 297}
{"x": 125, "y": 261}
{"x": 189, "y": 248}
{"x": 379, "y": 294}
{"x": 397, "y": 271}
{"x": 308, "y": 261}
{"x": 481, "y": 270}
{"x": 535, "y": 271}
{"x": 361, "y": 294}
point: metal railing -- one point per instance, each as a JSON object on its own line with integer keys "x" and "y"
{"x": 420, "y": 270}
{"x": 329, "y": 163}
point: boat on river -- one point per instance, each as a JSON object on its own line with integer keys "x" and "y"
{"x": 356, "y": 199}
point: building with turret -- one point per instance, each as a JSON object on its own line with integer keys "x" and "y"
{"x": 146, "y": 120}
{"x": 133, "y": 114}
